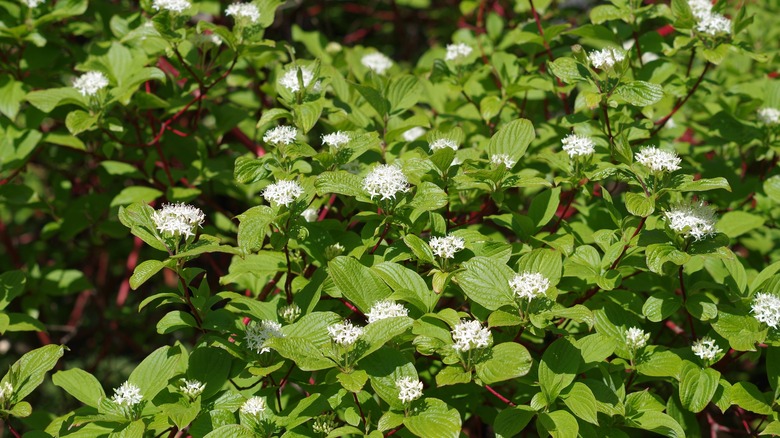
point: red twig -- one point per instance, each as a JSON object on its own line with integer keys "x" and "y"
{"x": 500, "y": 397}
{"x": 132, "y": 261}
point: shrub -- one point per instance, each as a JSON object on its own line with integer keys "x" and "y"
{"x": 555, "y": 220}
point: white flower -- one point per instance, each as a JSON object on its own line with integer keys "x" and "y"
{"x": 333, "y": 251}
{"x": 280, "y": 135}
{"x": 606, "y": 58}
{"x": 34, "y": 3}
{"x": 207, "y": 39}
{"x": 258, "y": 333}
{"x": 577, "y": 145}
{"x": 310, "y": 215}
{"x": 706, "y": 348}
{"x": 6, "y": 390}
{"x": 385, "y": 180}
{"x": 324, "y": 424}
{"x": 345, "y": 333}
{"x": 457, "y": 51}
{"x": 529, "y": 285}
{"x": 409, "y": 389}
{"x": 700, "y": 8}
{"x": 713, "y": 24}
{"x": 499, "y": 159}
{"x": 413, "y": 134}
{"x": 289, "y": 79}
{"x": 767, "y": 309}
{"x": 691, "y": 219}
{"x": 283, "y": 192}
{"x": 290, "y": 313}
{"x": 335, "y": 139}
{"x": 769, "y": 116}
{"x": 636, "y": 338}
{"x": 244, "y": 10}
{"x": 658, "y": 160}
{"x": 178, "y": 219}
{"x": 446, "y": 247}
{"x": 127, "y": 395}
{"x": 171, "y": 5}
{"x": 441, "y": 143}
{"x": 469, "y": 335}
{"x": 377, "y": 62}
{"x": 192, "y": 388}
{"x": 386, "y": 309}
{"x": 253, "y": 406}
{"x": 90, "y": 83}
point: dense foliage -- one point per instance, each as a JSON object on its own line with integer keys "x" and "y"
{"x": 424, "y": 218}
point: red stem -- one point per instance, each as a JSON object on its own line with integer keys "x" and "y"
{"x": 500, "y": 397}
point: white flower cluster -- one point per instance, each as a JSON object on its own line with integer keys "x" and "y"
{"x": 345, "y": 333}
{"x": 336, "y": 139}
{"x": 127, "y": 395}
{"x": 706, "y": 348}
{"x": 499, "y": 159}
{"x": 324, "y": 424}
{"x": 247, "y": 11}
{"x": 769, "y": 116}
{"x": 310, "y": 215}
{"x": 529, "y": 285}
{"x": 413, "y": 134}
{"x": 577, "y": 145}
{"x": 289, "y": 79}
{"x": 333, "y": 251}
{"x": 258, "y": 333}
{"x": 469, "y": 335}
{"x": 446, "y": 247}
{"x": 6, "y": 389}
{"x": 457, "y": 51}
{"x": 290, "y": 313}
{"x": 386, "y": 309}
{"x": 636, "y": 338}
{"x": 658, "y": 160}
{"x": 710, "y": 23}
{"x": 409, "y": 389}
{"x": 90, "y": 83}
{"x": 377, "y": 62}
{"x": 178, "y": 219}
{"x": 280, "y": 135}
{"x": 171, "y": 5}
{"x": 767, "y": 309}
{"x": 34, "y": 3}
{"x": 441, "y": 143}
{"x": 691, "y": 219}
{"x": 253, "y": 406}
{"x": 192, "y": 388}
{"x": 606, "y": 58}
{"x": 283, "y": 192}
{"x": 385, "y": 180}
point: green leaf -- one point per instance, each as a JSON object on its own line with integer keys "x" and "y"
{"x": 419, "y": 247}
{"x": 253, "y": 226}
{"x": 687, "y": 184}
{"x": 640, "y": 93}
{"x": 543, "y": 207}
{"x": 512, "y": 421}
{"x": 231, "y": 430}
{"x": 772, "y": 428}
{"x": 697, "y": 386}
{"x": 544, "y": 261}
{"x": 374, "y": 98}
{"x": 580, "y": 399}
{"x": 307, "y": 115}
{"x": 742, "y": 331}
{"x": 737, "y": 223}
{"x": 701, "y": 307}
{"x": 486, "y": 281}
{"x": 138, "y": 217}
{"x": 357, "y": 283}
{"x": 661, "y": 305}
{"x": 250, "y": 170}
{"x": 659, "y": 363}
{"x": 11, "y": 96}
{"x": 512, "y": 139}
{"x": 683, "y": 16}
{"x": 175, "y": 320}
{"x": 47, "y": 100}
{"x": 378, "y": 333}
{"x": 435, "y": 420}
{"x": 567, "y": 69}
{"x": 306, "y": 355}
{"x": 131, "y": 195}
{"x": 340, "y": 182}
{"x": 657, "y": 422}
{"x": 82, "y": 385}
{"x": 659, "y": 254}
{"x": 558, "y": 424}
{"x": 153, "y": 373}
{"x": 604, "y": 13}
{"x": 504, "y": 361}
{"x": 403, "y": 92}
{"x": 210, "y": 366}
{"x": 401, "y": 279}
{"x": 144, "y": 272}
{"x": 384, "y": 368}
{"x": 558, "y": 367}
{"x": 11, "y": 286}
{"x": 21, "y": 410}
{"x": 79, "y": 121}
{"x": 429, "y": 197}
{"x": 639, "y": 205}
{"x": 353, "y": 381}
{"x": 747, "y": 396}
{"x": 28, "y": 372}
{"x": 452, "y": 375}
